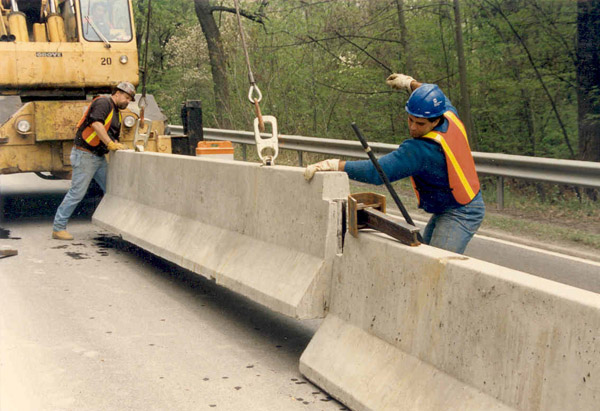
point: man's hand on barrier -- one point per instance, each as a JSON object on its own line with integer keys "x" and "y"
{"x": 399, "y": 81}
{"x": 332, "y": 164}
{"x": 113, "y": 146}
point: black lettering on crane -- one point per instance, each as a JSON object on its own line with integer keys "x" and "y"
{"x": 47, "y": 54}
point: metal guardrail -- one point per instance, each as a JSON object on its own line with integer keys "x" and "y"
{"x": 569, "y": 172}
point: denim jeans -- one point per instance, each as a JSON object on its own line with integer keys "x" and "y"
{"x": 86, "y": 166}
{"x": 453, "y": 229}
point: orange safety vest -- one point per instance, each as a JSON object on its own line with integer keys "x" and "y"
{"x": 88, "y": 134}
{"x": 462, "y": 175}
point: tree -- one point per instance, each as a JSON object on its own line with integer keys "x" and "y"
{"x": 216, "y": 53}
{"x": 319, "y": 73}
{"x": 537, "y": 71}
{"x": 465, "y": 102}
{"x": 404, "y": 38}
{"x": 588, "y": 78}
{"x": 218, "y": 60}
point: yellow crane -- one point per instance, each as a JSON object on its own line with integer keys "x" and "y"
{"x": 55, "y": 55}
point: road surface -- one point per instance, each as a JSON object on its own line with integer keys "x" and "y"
{"x": 98, "y": 324}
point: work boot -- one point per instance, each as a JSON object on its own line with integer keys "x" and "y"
{"x": 61, "y": 235}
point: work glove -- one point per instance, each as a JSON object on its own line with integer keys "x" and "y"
{"x": 399, "y": 81}
{"x": 113, "y": 146}
{"x": 332, "y": 164}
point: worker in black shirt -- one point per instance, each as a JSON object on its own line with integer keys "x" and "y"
{"x": 97, "y": 134}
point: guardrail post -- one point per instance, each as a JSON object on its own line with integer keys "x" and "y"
{"x": 191, "y": 117}
{"x": 500, "y": 192}
{"x": 244, "y": 153}
{"x": 300, "y": 159}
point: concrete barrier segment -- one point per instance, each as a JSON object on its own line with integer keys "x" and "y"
{"x": 262, "y": 232}
{"x": 418, "y": 328}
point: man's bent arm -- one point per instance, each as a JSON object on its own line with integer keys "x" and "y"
{"x": 415, "y": 85}
{"x": 101, "y": 132}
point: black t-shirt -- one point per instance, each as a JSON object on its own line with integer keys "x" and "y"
{"x": 99, "y": 111}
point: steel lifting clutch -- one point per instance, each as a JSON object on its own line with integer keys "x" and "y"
{"x": 367, "y": 210}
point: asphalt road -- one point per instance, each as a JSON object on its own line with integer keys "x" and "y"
{"x": 98, "y": 324}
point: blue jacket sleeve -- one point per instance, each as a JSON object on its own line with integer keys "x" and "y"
{"x": 403, "y": 162}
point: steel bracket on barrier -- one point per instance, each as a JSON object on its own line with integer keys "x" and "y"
{"x": 367, "y": 210}
{"x": 267, "y": 147}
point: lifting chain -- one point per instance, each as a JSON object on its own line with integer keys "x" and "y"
{"x": 267, "y": 147}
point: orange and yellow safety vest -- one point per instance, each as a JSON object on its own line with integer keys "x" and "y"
{"x": 88, "y": 134}
{"x": 462, "y": 175}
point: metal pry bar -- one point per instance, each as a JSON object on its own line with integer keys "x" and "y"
{"x": 384, "y": 178}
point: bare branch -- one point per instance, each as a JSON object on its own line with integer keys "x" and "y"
{"x": 324, "y": 48}
{"x": 366, "y": 52}
{"x": 258, "y": 18}
{"x": 368, "y": 93}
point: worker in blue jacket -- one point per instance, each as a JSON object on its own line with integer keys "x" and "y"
{"x": 437, "y": 159}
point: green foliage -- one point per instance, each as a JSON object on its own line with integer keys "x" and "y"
{"x": 322, "y": 64}
{"x": 175, "y": 52}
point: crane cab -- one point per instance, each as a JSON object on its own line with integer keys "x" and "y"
{"x": 62, "y": 48}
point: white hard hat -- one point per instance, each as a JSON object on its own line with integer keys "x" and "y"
{"x": 127, "y": 88}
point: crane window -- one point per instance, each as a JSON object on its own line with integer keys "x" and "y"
{"x": 108, "y": 20}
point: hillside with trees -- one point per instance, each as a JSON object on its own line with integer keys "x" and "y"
{"x": 524, "y": 74}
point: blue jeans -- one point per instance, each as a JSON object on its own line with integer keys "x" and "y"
{"x": 86, "y": 166}
{"x": 453, "y": 229}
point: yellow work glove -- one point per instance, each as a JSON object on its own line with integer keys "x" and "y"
{"x": 399, "y": 81}
{"x": 332, "y": 164}
{"x": 114, "y": 145}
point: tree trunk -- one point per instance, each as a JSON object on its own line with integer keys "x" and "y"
{"x": 588, "y": 78}
{"x": 527, "y": 116}
{"x": 218, "y": 61}
{"x": 465, "y": 103}
{"x": 442, "y": 16}
{"x": 404, "y": 40}
{"x": 314, "y": 74}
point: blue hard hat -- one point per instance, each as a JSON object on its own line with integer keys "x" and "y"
{"x": 428, "y": 101}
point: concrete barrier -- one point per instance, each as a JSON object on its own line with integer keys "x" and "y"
{"x": 408, "y": 328}
{"x": 259, "y": 231}
{"x": 418, "y": 328}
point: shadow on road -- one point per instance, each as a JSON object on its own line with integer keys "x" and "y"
{"x": 287, "y": 335}
{"x": 27, "y": 205}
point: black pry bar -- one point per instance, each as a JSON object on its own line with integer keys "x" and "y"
{"x": 384, "y": 178}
